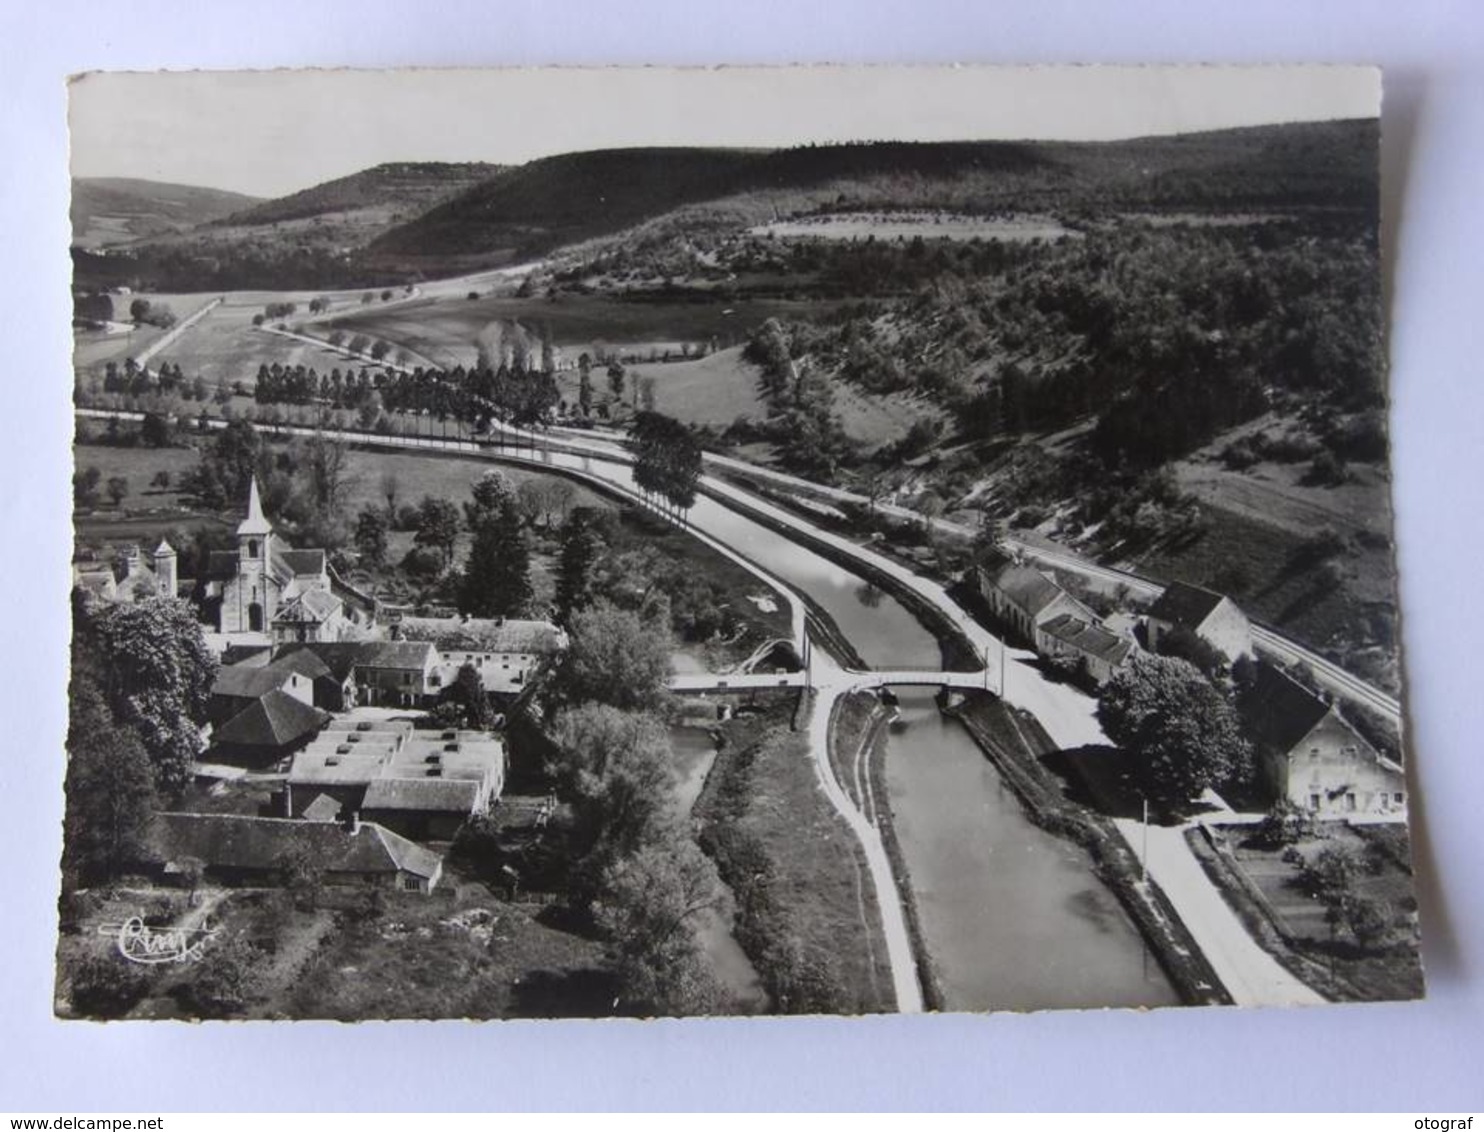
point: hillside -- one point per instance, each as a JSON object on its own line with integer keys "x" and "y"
{"x": 562, "y": 200}
{"x": 114, "y": 210}
{"x": 406, "y": 188}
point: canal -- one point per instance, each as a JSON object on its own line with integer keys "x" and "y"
{"x": 1013, "y": 917}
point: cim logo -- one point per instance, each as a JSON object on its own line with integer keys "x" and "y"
{"x": 139, "y": 943}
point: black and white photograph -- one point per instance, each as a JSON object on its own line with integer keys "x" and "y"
{"x": 643, "y": 542}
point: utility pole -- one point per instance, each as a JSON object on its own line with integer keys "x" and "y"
{"x": 1144, "y": 871}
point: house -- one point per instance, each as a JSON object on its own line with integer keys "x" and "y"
{"x": 375, "y": 673}
{"x": 1212, "y": 617}
{"x": 237, "y": 848}
{"x": 1025, "y": 598}
{"x": 264, "y": 591}
{"x": 422, "y": 784}
{"x": 1311, "y": 756}
{"x": 134, "y": 578}
{"x": 1101, "y": 651}
{"x": 263, "y": 713}
{"x": 507, "y": 653}
{"x": 238, "y": 686}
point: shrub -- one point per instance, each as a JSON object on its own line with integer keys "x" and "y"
{"x": 106, "y": 986}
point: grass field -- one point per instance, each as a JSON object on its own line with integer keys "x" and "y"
{"x": 93, "y": 350}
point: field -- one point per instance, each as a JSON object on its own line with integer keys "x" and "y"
{"x": 907, "y": 225}
{"x": 1262, "y": 888}
{"x": 445, "y": 330}
{"x": 92, "y": 350}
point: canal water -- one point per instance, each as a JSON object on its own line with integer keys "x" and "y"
{"x": 1013, "y": 917}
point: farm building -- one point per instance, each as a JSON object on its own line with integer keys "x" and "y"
{"x": 375, "y": 673}
{"x": 423, "y": 784}
{"x": 1212, "y": 617}
{"x": 1100, "y": 651}
{"x": 1025, "y": 598}
{"x": 1310, "y": 755}
{"x": 507, "y": 653}
{"x": 236, "y": 848}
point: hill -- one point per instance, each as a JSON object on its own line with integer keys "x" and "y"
{"x": 405, "y": 188}
{"x": 558, "y": 201}
{"x": 571, "y": 197}
{"x": 113, "y": 210}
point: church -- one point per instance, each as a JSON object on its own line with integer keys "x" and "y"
{"x": 268, "y": 593}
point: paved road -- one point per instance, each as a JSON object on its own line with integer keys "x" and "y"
{"x": 1251, "y": 976}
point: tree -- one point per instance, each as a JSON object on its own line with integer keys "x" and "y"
{"x": 118, "y": 488}
{"x": 160, "y": 480}
{"x": 466, "y": 693}
{"x": 391, "y": 486}
{"x": 139, "y": 309}
{"x": 437, "y": 526}
{"x": 371, "y": 536}
{"x": 667, "y": 459}
{"x": 650, "y": 908}
{"x": 155, "y": 431}
{"x": 155, "y": 670}
{"x": 1182, "y": 733}
{"x": 85, "y": 487}
{"x": 225, "y": 980}
{"x": 617, "y": 657}
{"x": 110, "y": 789}
{"x": 106, "y": 985}
{"x": 585, "y": 383}
{"x": 497, "y": 581}
{"x": 582, "y": 546}
{"x": 617, "y": 767}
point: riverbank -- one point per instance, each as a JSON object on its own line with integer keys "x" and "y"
{"x": 1014, "y": 742}
{"x": 806, "y": 911}
{"x": 858, "y": 737}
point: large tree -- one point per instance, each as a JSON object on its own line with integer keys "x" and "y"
{"x": 155, "y": 670}
{"x": 497, "y": 575}
{"x": 582, "y": 546}
{"x": 110, "y": 787}
{"x": 617, "y": 765}
{"x": 437, "y": 526}
{"x": 371, "y": 536}
{"x": 618, "y": 657}
{"x": 1183, "y": 733}
{"x": 651, "y": 907}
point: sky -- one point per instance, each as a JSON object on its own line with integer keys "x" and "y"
{"x": 268, "y": 133}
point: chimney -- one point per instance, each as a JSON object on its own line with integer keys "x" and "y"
{"x": 355, "y": 822}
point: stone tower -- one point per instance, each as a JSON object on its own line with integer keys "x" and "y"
{"x": 254, "y": 539}
{"x": 165, "y": 569}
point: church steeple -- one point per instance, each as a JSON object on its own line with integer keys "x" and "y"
{"x": 256, "y": 523}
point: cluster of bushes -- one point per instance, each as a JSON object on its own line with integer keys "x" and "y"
{"x": 801, "y": 979}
